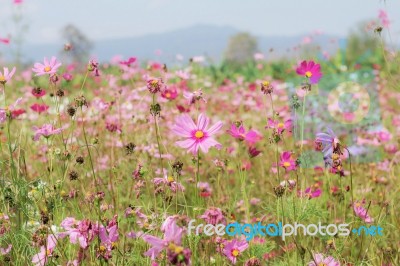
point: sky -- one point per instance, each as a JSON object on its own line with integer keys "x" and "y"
{"x": 108, "y": 19}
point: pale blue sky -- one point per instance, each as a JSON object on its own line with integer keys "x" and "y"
{"x": 103, "y": 19}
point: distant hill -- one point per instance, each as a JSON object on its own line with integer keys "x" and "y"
{"x": 206, "y": 40}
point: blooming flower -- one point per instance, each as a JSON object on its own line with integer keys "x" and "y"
{"x": 5, "y": 251}
{"x": 108, "y": 237}
{"x": 329, "y": 143}
{"x": 319, "y": 260}
{"x": 361, "y": 212}
{"x": 287, "y": 161}
{"x": 11, "y": 108}
{"x": 240, "y": 133}
{"x": 46, "y": 68}
{"x": 5, "y": 40}
{"x": 78, "y": 231}
{"x": 169, "y": 93}
{"x": 6, "y": 75}
{"x": 213, "y": 216}
{"x": 194, "y": 96}
{"x": 170, "y": 182}
{"x": 310, "y": 70}
{"x": 39, "y": 108}
{"x": 234, "y": 248}
{"x": 312, "y": 193}
{"x": 196, "y": 136}
{"x": 46, "y": 131}
{"x": 128, "y": 62}
{"x": 205, "y": 189}
{"x": 279, "y": 126}
{"x": 46, "y": 251}
{"x": 171, "y": 236}
{"x": 38, "y": 92}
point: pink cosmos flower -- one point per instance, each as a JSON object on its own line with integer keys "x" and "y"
{"x": 318, "y": 259}
{"x": 18, "y": 2}
{"x": 287, "y": 161}
{"x": 312, "y": 193}
{"x": 240, "y": 133}
{"x": 383, "y": 16}
{"x": 194, "y": 96}
{"x": 310, "y": 70}
{"x": 47, "y": 67}
{"x": 361, "y": 212}
{"x": 128, "y": 62}
{"x": 11, "y": 108}
{"x": 6, "y": 75}
{"x": 46, "y": 131}
{"x": 170, "y": 182}
{"x": 234, "y": 248}
{"x": 279, "y": 126}
{"x": 5, "y": 40}
{"x": 38, "y": 92}
{"x": 5, "y": 251}
{"x": 171, "y": 236}
{"x": 196, "y": 136}
{"x": 40, "y": 259}
{"x": 205, "y": 189}
{"x": 39, "y": 108}
{"x": 213, "y": 216}
{"x": 78, "y": 231}
{"x": 108, "y": 237}
{"x": 169, "y": 93}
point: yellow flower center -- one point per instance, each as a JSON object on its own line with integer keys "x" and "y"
{"x": 2, "y": 78}
{"x": 170, "y": 179}
{"x": 199, "y": 134}
{"x": 308, "y": 74}
{"x": 174, "y": 248}
{"x": 265, "y": 83}
{"x": 286, "y": 164}
{"x": 48, "y": 252}
{"x": 281, "y": 125}
{"x": 102, "y": 248}
{"x": 168, "y": 95}
{"x": 322, "y": 264}
{"x": 47, "y": 69}
{"x": 235, "y": 252}
{"x": 358, "y": 204}
{"x": 154, "y": 82}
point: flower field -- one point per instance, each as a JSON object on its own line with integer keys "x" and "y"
{"x": 120, "y": 162}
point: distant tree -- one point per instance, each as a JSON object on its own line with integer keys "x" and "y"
{"x": 363, "y": 45}
{"x": 77, "y": 45}
{"x": 241, "y": 48}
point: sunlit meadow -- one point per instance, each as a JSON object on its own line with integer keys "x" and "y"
{"x": 106, "y": 163}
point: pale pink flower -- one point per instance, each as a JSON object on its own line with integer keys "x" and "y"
{"x": 6, "y": 75}
{"x": 40, "y": 259}
{"x": 46, "y": 131}
{"x": 319, "y": 259}
{"x": 48, "y": 67}
{"x": 11, "y": 108}
{"x": 196, "y": 136}
{"x": 361, "y": 212}
{"x": 233, "y": 248}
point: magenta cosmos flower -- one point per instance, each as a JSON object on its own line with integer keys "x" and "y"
{"x": 287, "y": 161}
{"x": 319, "y": 259}
{"x": 196, "y": 136}
{"x": 240, "y": 133}
{"x": 6, "y": 75}
{"x": 234, "y": 248}
{"x": 310, "y": 70}
{"x": 47, "y": 67}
